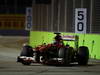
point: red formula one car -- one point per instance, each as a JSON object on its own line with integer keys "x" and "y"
{"x": 58, "y": 52}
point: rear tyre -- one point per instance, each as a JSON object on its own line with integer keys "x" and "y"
{"x": 61, "y": 52}
{"x": 66, "y": 54}
{"x": 83, "y": 55}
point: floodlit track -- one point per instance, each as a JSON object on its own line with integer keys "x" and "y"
{"x": 9, "y": 66}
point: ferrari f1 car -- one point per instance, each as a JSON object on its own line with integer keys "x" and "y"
{"x": 59, "y": 52}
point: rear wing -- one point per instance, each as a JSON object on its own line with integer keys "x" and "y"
{"x": 74, "y": 38}
{"x": 70, "y": 37}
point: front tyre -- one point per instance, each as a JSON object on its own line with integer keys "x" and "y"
{"x": 26, "y": 63}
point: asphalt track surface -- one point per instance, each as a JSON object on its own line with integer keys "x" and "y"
{"x": 9, "y": 66}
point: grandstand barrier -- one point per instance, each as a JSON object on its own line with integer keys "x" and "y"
{"x": 12, "y": 24}
{"x": 90, "y": 40}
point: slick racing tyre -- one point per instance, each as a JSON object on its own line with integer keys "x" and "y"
{"x": 61, "y": 52}
{"x": 26, "y": 63}
{"x": 27, "y": 51}
{"x": 83, "y": 55}
{"x": 66, "y": 54}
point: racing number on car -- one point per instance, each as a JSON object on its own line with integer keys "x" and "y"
{"x": 80, "y": 24}
{"x": 80, "y": 20}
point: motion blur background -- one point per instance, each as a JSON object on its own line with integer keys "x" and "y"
{"x": 48, "y": 15}
{"x": 12, "y": 16}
